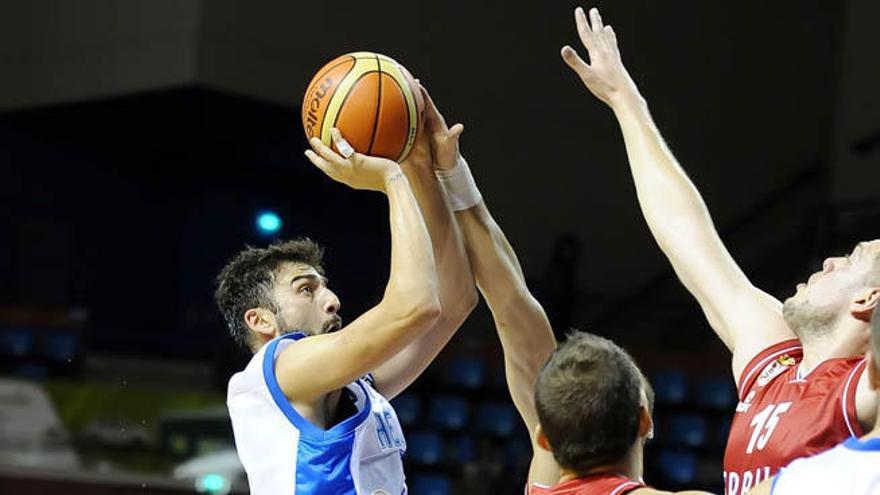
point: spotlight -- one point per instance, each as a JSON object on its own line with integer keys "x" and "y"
{"x": 268, "y": 223}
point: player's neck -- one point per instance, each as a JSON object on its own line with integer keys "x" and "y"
{"x": 630, "y": 467}
{"x": 834, "y": 346}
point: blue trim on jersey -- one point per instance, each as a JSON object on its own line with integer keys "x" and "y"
{"x": 871, "y": 444}
{"x": 307, "y": 429}
{"x": 325, "y": 466}
{"x": 773, "y": 483}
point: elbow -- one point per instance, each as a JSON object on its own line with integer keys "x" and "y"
{"x": 421, "y": 311}
{"x": 424, "y": 315}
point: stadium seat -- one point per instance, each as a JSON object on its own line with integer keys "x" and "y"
{"x": 517, "y": 454}
{"x": 449, "y": 412}
{"x": 429, "y": 484}
{"x": 16, "y": 342}
{"x": 466, "y": 373}
{"x": 497, "y": 419}
{"x": 60, "y": 345}
{"x": 678, "y": 466}
{"x": 462, "y": 449}
{"x": 670, "y": 387}
{"x": 686, "y": 429}
{"x": 717, "y": 393}
{"x": 407, "y": 407}
{"x": 424, "y": 448}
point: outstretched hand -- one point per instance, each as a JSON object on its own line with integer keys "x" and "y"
{"x": 605, "y": 76}
{"x": 444, "y": 139}
{"x": 356, "y": 170}
{"x": 436, "y": 145}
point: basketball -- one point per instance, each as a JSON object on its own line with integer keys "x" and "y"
{"x": 373, "y": 101}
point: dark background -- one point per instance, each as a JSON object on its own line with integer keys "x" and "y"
{"x": 138, "y": 140}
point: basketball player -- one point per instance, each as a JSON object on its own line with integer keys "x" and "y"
{"x": 591, "y": 407}
{"x": 852, "y": 467}
{"x": 798, "y": 366}
{"x": 310, "y": 412}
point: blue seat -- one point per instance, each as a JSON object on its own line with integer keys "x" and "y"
{"x": 670, "y": 387}
{"x": 16, "y": 342}
{"x": 429, "y": 484}
{"x": 466, "y": 373}
{"x": 449, "y": 412}
{"x": 517, "y": 454}
{"x": 497, "y": 419}
{"x": 60, "y": 345}
{"x": 686, "y": 429}
{"x": 678, "y": 466}
{"x": 462, "y": 449}
{"x": 407, "y": 407}
{"x": 717, "y": 393}
{"x": 424, "y": 448}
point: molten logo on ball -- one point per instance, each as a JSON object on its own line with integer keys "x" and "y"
{"x": 315, "y": 104}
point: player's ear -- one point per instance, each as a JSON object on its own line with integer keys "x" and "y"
{"x": 646, "y": 423}
{"x": 541, "y": 438}
{"x": 864, "y": 305}
{"x": 261, "y": 321}
{"x": 873, "y": 372}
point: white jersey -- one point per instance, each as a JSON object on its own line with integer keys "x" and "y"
{"x": 284, "y": 453}
{"x": 853, "y": 467}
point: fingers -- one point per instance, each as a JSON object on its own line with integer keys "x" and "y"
{"x": 319, "y": 162}
{"x": 333, "y": 160}
{"x": 341, "y": 144}
{"x": 583, "y": 27}
{"x": 611, "y": 36}
{"x": 433, "y": 118}
{"x": 455, "y": 131}
{"x": 573, "y": 60}
{"x": 596, "y": 20}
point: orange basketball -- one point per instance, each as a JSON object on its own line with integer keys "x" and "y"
{"x": 370, "y": 98}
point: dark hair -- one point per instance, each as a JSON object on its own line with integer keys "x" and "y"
{"x": 588, "y": 396}
{"x": 247, "y": 279}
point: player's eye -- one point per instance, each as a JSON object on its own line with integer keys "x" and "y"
{"x": 306, "y": 289}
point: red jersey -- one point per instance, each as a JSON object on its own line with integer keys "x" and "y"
{"x": 782, "y": 416}
{"x": 597, "y": 484}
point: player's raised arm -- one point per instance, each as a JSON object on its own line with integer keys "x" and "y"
{"x": 523, "y": 328}
{"x": 410, "y": 303}
{"x": 745, "y": 318}
{"x": 458, "y": 295}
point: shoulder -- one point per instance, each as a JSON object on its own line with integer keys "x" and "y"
{"x": 250, "y": 378}
{"x": 258, "y": 377}
{"x": 768, "y": 364}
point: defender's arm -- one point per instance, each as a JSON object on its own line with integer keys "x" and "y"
{"x": 437, "y": 145}
{"x": 745, "y": 318}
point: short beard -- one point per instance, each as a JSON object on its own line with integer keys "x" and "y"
{"x": 284, "y": 328}
{"x": 331, "y": 325}
{"x": 809, "y": 322}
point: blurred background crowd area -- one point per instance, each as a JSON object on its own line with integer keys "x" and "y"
{"x": 143, "y": 143}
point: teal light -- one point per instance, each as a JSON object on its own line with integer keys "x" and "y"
{"x": 213, "y": 483}
{"x": 268, "y": 222}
